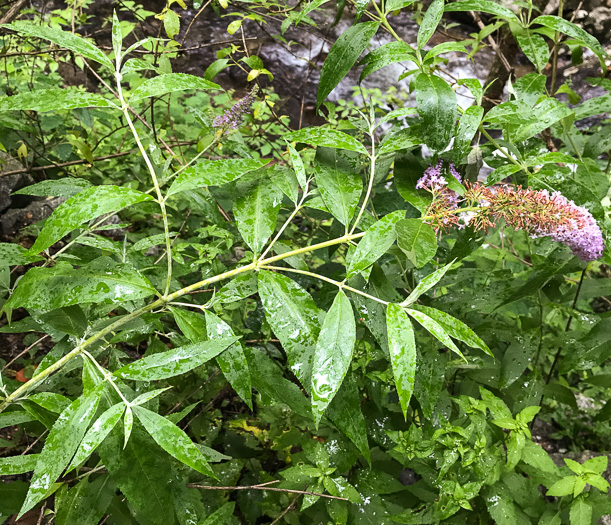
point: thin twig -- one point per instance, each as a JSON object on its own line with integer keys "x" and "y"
{"x": 264, "y": 486}
{"x": 24, "y": 352}
{"x": 287, "y": 510}
{"x": 193, "y": 20}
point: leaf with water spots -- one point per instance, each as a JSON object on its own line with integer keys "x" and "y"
{"x": 435, "y": 329}
{"x": 85, "y": 503}
{"x": 293, "y": 316}
{"x": 170, "y": 83}
{"x": 174, "y": 362}
{"x": 54, "y": 100}
{"x": 437, "y": 108}
{"x": 333, "y": 354}
{"x": 83, "y": 207}
{"x": 14, "y": 465}
{"x": 173, "y": 440}
{"x": 417, "y": 240}
{"x": 60, "y": 445}
{"x": 328, "y": 137}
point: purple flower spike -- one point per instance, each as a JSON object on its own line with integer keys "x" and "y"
{"x": 232, "y": 118}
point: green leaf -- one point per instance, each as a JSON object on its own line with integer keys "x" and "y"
{"x": 117, "y": 35}
{"x": 515, "y": 446}
{"x": 256, "y": 212}
{"x": 467, "y": 128}
{"x": 574, "y": 31}
{"x": 60, "y": 445}
{"x": 545, "y": 114}
{"x": 62, "y": 39}
{"x": 297, "y": 165}
{"x": 173, "y": 440}
{"x": 13, "y": 254}
{"x": 431, "y": 20}
{"x": 341, "y": 488}
{"x": 293, "y": 316}
{"x": 562, "y": 487}
{"x": 484, "y": 6}
{"x": 401, "y": 140}
{"x": 385, "y": 55}
{"x": 426, "y": 284}
{"x": 232, "y": 361}
{"x": 435, "y": 329}
{"x": 455, "y": 328}
{"x": 66, "y": 187}
{"x": 581, "y": 512}
{"x": 169, "y": 83}
{"x": 535, "y": 456}
{"x": 445, "y": 47}
{"x": 402, "y": 349}
{"x": 14, "y": 465}
{"x": 377, "y": 240}
{"x": 214, "y": 173}
{"x": 343, "y": 55}
{"x": 534, "y": 47}
{"x": 222, "y": 516}
{"x": 394, "y": 5}
{"x": 191, "y": 324}
{"x": 339, "y": 186}
{"x": 333, "y": 354}
{"x": 174, "y": 362}
{"x": 436, "y": 102}
{"x": 54, "y": 100}
{"x": 242, "y": 286}
{"x": 47, "y": 289}
{"x": 83, "y": 207}
{"x": 331, "y": 138}
{"x": 128, "y": 424}
{"x": 417, "y": 240}
{"x": 499, "y": 503}
{"x": 406, "y": 174}
{"x": 171, "y": 23}
{"x": 97, "y": 433}
{"x": 84, "y": 503}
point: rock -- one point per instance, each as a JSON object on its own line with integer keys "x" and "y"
{"x": 598, "y": 21}
{"x": 16, "y": 218}
{"x": 11, "y": 183}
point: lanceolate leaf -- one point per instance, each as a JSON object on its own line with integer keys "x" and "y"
{"x": 83, "y": 207}
{"x": 62, "y": 39}
{"x": 256, "y": 212}
{"x": 534, "y": 47}
{"x": 430, "y": 22}
{"x": 467, "y": 128}
{"x": 232, "y": 361}
{"x": 385, "y": 55}
{"x": 484, "y": 6}
{"x": 173, "y": 440}
{"x": 435, "y": 329}
{"x": 170, "y": 83}
{"x": 377, "y": 240}
{"x": 97, "y": 433}
{"x": 13, "y": 465}
{"x": 437, "y": 109}
{"x": 54, "y": 100}
{"x": 66, "y": 187}
{"x": 293, "y": 316}
{"x": 174, "y": 362}
{"x": 333, "y": 354}
{"x": 84, "y": 503}
{"x": 60, "y": 445}
{"x": 214, "y": 173}
{"x": 297, "y": 165}
{"x": 46, "y": 289}
{"x": 326, "y": 137}
{"x": 342, "y": 56}
{"x": 426, "y": 284}
{"x": 417, "y": 240}
{"x": 402, "y": 349}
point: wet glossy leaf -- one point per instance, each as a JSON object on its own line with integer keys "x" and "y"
{"x": 341, "y": 488}
{"x": 256, "y": 213}
{"x": 435, "y": 329}
{"x": 60, "y": 445}
{"x": 46, "y": 289}
{"x": 62, "y": 39}
{"x": 485, "y": 6}
{"x": 56, "y": 188}
{"x": 13, "y": 254}
{"x": 534, "y": 47}
{"x": 214, "y": 173}
{"x": 333, "y": 354}
{"x": 117, "y": 35}
{"x": 83, "y": 207}
{"x": 431, "y": 20}
{"x": 385, "y": 55}
{"x": 97, "y": 433}
{"x": 84, "y": 503}
{"x": 13, "y": 465}
{"x": 174, "y": 362}
{"x": 54, "y": 100}
{"x": 232, "y": 361}
{"x": 222, "y": 516}
{"x": 128, "y": 424}
{"x": 407, "y": 172}
{"x": 430, "y": 375}
{"x": 437, "y": 108}
{"x": 173, "y": 440}
{"x": 402, "y": 349}
{"x": 242, "y": 286}
{"x": 426, "y": 284}
{"x": 328, "y": 137}
{"x": 297, "y": 165}
{"x": 581, "y": 512}
{"x": 171, "y": 23}
{"x": 293, "y": 316}
{"x": 192, "y": 324}
{"x": 170, "y": 83}
{"x": 467, "y": 128}
{"x": 377, "y": 240}
{"x": 343, "y": 55}
{"x": 417, "y": 240}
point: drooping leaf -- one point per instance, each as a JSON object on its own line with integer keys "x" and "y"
{"x": 83, "y": 207}
{"x": 293, "y": 316}
{"x": 46, "y": 289}
{"x": 232, "y": 361}
{"x": 214, "y": 173}
{"x": 467, "y": 128}
{"x": 343, "y": 55}
{"x": 256, "y": 212}
{"x": 437, "y": 108}
{"x": 426, "y": 284}
{"x": 174, "y": 362}
{"x": 333, "y": 354}
{"x": 60, "y": 445}
{"x": 173, "y": 440}
{"x": 417, "y": 240}
{"x": 377, "y": 240}
{"x": 54, "y": 100}
{"x": 534, "y": 47}
{"x": 331, "y": 138}
{"x": 402, "y": 349}
{"x": 84, "y": 503}
{"x": 170, "y": 83}
{"x": 431, "y": 20}
{"x": 435, "y": 329}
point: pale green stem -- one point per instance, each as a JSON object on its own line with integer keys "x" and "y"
{"x": 151, "y": 168}
{"x": 505, "y": 153}
{"x": 107, "y": 376}
{"x": 372, "y": 171}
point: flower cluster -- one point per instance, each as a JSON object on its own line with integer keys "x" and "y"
{"x": 537, "y": 212}
{"x": 232, "y": 117}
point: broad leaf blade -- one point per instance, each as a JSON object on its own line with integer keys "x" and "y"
{"x": 436, "y": 102}
{"x": 170, "y": 83}
{"x": 431, "y": 20}
{"x": 333, "y": 354}
{"x": 328, "y": 137}
{"x": 402, "y": 349}
{"x": 54, "y": 100}
{"x": 426, "y": 284}
{"x": 435, "y": 329}
{"x": 417, "y": 240}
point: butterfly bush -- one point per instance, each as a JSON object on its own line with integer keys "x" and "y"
{"x": 232, "y": 117}
{"x": 538, "y": 212}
